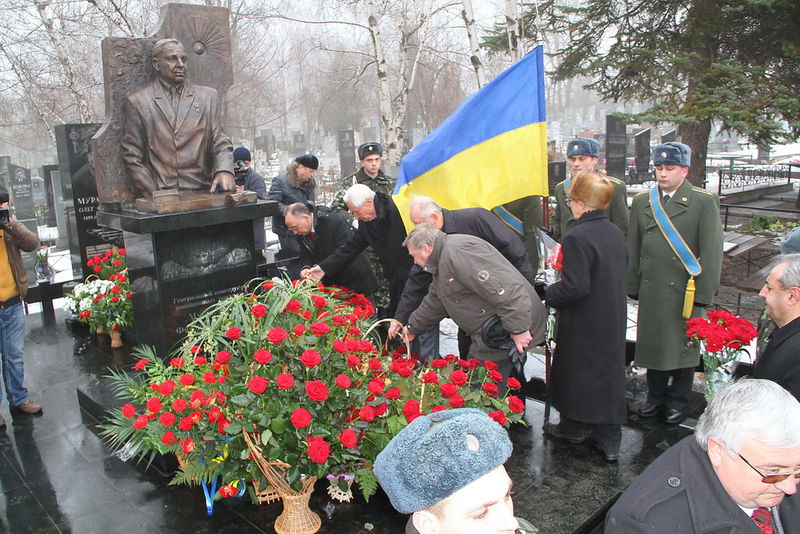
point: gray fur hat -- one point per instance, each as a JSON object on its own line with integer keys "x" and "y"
{"x": 583, "y": 146}
{"x": 790, "y": 244}
{"x": 437, "y": 455}
{"x": 672, "y": 153}
{"x": 367, "y": 149}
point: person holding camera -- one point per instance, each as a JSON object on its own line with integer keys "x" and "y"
{"x": 14, "y": 236}
{"x": 249, "y": 180}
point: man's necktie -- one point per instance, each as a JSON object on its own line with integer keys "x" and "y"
{"x": 666, "y": 199}
{"x": 763, "y": 519}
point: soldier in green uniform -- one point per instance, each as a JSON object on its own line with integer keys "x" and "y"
{"x": 658, "y": 275}
{"x": 371, "y": 175}
{"x": 582, "y": 155}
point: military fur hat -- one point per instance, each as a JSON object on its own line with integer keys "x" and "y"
{"x": 672, "y": 153}
{"x": 583, "y": 146}
{"x": 437, "y": 455}
{"x": 308, "y": 160}
{"x": 790, "y": 244}
{"x": 3, "y": 194}
{"x": 367, "y": 149}
{"x": 240, "y": 153}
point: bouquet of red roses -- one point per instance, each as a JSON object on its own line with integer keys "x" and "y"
{"x": 723, "y": 336}
{"x": 293, "y": 366}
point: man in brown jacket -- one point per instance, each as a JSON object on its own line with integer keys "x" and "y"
{"x": 13, "y": 286}
{"x": 472, "y": 282}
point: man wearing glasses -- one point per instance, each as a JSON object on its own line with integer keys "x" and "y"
{"x": 738, "y": 473}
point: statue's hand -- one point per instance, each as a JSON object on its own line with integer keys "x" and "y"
{"x": 223, "y": 181}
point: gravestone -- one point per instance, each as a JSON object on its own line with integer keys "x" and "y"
{"x": 76, "y": 171}
{"x": 616, "y": 145}
{"x": 21, "y": 193}
{"x": 642, "y": 144}
{"x": 5, "y": 161}
{"x": 52, "y": 191}
{"x": 347, "y": 152}
{"x": 669, "y": 137}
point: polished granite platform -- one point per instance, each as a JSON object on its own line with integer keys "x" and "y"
{"x": 58, "y": 476}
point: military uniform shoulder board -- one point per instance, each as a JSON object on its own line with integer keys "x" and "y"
{"x": 640, "y": 193}
{"x": 615, "y": 180}
{"x": 701, "y": 190}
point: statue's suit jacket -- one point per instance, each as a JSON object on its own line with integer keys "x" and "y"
{"x": 165, "y": 150}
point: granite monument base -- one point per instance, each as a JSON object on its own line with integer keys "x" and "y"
{"x": 181, "y": 263}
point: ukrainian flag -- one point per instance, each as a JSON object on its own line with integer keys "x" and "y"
{"x": 490, "y": 151}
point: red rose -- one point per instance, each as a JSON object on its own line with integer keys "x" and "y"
{"x": 233, "y": 333}
{"x": 228, "y": 491}
{"x": 116, "y": 289}
{"x": 490, "y": 365}
{"x": 354, "y": 331}
{"x": 176, "y": 362}
{"x": 269, "y": 284}
{"x": 311, "y": 358}
{"x": 186, "y": 423}
{"x": 319, "y": 302}
{"x": 167, "y": 387}
{"x": 490, "y": 388}
{"x": 410, "y": 418}
{"x": 375, "y": 364}
{"x": 348, "y": 438}
{"x": 380, "y": 409}
{"x": 515, "y": 404}
{"x": 257, "y": 384}
{"x": 393, "y": 393}
{"x": 301, "y": 418}
{"x": 187, "y": 379}
{"x": 179, "y": 405}
{"x": 299, "y": 329}
{"x": 495, "y": 376}
{"x": 168, "y": 438}
{"x": 456, "y": 401}
{"x": 200, "y": 360}
{"x": 438, "y": 408}
{"x": 293, "y": 306}
{"x": 319, "y": 329}
{"x": 343, "y": 381}
{"x": 376, "y": 386}
{"x": 438, "y": 363}
{"x": 431, "y": 377}
{"x": 97, "y": 268}
{"x": 367, "y": 413}
{"x": 153, "y": 405}
{"x": 411, "y": 407}
{"x": 223, "y": 357}
{"x": 140, "y": 364}
{"x": 498, "y": 416}
{"x": 141, "y": 422}
{"x": 318, "y": 450}
{"x": 339, "y": 346}
{"x": 353, "y": 361}
{"x": 284, "y": 381}
{"x": 317, "y": 390}
{"x": 196, "y": 349}
{"x": 167, "y": 419}
{"x": 129, "y": 410}
{"x": 458, "y": 377}
{"x": 448, "y": 389}
{"x": 262, "y": 356}
{"x": 258, "y": 311}
{"x": 188, "y": 446}
{"x": 513, "y": 383}
{"x": 209, "y": 377}
{"x": 276, "y": 335}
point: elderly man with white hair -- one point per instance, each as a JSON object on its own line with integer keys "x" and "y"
{"x": 738, "y": 473}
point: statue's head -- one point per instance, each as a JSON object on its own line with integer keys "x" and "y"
{"x": 169, "y": 60}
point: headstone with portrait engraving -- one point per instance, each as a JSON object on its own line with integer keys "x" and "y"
{"x": 21, "y": 192}
{"x": 86, "y": 238}
{"x": 49, "y": 174}
{"x": 616, "y": 146}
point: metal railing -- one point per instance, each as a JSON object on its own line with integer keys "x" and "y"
{"x": 739, "y": 179}
{"x": 727, "y": 207}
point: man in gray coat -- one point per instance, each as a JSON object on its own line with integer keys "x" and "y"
{"x": 658, "y": 279}
{"x": 472, "y": 282}
{"x": 737, "y": 474}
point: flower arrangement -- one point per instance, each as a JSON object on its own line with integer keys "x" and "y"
{"x": 293, "y": 367}
{"x": 104, "y": 301}
{"x": 723, "y": 337}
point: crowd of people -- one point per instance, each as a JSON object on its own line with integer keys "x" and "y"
{"x": 665, "y": 252}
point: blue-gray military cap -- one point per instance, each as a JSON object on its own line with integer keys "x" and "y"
{"x": 367, "y": 149}
{"x": 672, "y": 153}
{"x": 438, "y": 454}
{"x": 583, "y": 146}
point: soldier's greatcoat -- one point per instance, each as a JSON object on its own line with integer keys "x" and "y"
{"x": 562, "y": 220}
{"x": 658, "y": 279}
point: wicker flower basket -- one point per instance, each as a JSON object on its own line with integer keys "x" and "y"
{"x": 297, "y": 517}
{"x": 116, "y": 339}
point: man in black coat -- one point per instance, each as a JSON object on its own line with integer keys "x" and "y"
{"x": 249, "y": 180}
{"x": 737, "y": 473}
{"x": 320, "y": 233}
{"x": 780, "y": 360}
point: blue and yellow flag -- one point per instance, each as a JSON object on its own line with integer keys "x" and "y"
{"x": 491, "y": 150}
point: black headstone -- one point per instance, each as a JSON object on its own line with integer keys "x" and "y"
{"x": 670, "y": 136}
{"x": 77, "y": 169}
{"x": 21, "y": 192}
{"x": 556, "y": 172}
{"x": 616, "y": 144}
{"x": 47, "y": 172}
{"x": 347, "y": 152}
{"x": 642, "y": 142}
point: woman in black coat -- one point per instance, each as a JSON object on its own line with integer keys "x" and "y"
{"x": 587, "y": 380}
